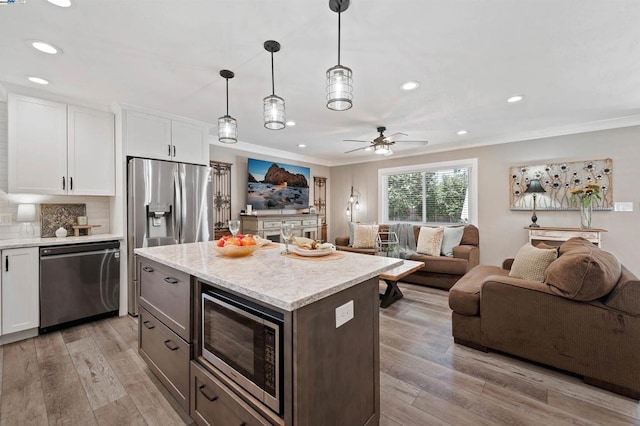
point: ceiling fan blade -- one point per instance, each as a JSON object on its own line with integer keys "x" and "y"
{"x": 354, "y": 140}
{"x": 395, "y": 136}
{"x": 424, "y": 142}
{"x": 357, "y": 149}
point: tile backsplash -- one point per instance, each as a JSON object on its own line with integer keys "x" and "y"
{"x": 54, "y": 216}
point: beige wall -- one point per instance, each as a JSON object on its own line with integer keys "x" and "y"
{"x": 501, "y": 230}
{"x": 239, "y": 173}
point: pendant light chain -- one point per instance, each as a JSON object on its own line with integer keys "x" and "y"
{"x": 227, "y": 80}
{"x": 339, "y": 13}
{"x": 273, "y": 84}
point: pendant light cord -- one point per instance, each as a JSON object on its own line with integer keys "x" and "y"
{"x": 227, "y": 80}
{"x": 273, "y": 84}
{"x": 339, "y": 13}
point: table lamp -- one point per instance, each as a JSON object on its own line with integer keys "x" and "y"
{"x": 534, "y": 188}
{"x": 26, "y": 214}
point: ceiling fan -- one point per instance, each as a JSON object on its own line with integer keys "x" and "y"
{"x": 382, "y": 144}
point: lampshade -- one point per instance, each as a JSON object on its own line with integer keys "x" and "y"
{"x": 227, "y": 125}
{"x": 274, "y": 113}
{"x": 534, "y": 187}
{"x": 26, "y": 213}
{"x": 227, "y": 129}
{"x": 339, "y": 78}
{"x": 381, "y": 149}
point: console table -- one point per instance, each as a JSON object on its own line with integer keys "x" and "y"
{"x": 552, "y": 234}
{"x": 268, "y": 226}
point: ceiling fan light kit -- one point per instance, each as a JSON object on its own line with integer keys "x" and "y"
{"x": 227, "y": 125}
{"x": 339, "y": 78}
{"x": 273, "y": 106}
{"x": 382, "y": 144}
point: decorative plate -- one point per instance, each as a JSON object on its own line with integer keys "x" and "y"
{"x": 311, "y": 253}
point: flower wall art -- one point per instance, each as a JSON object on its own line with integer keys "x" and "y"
{"x": 558, "y": 180}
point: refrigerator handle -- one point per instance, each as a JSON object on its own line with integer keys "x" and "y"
{"x": 177, "y": 215}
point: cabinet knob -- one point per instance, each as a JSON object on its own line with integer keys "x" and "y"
{"x": 204, "y": 393}
{"x": 171, "y": 280}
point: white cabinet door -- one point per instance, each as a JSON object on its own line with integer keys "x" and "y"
{"x": 147, "y": 135}
{"x": 91, "y": 148}
{"x": 37, "y": 146}
{"x": 20, "y": 290}
{"x": 189, "y": 142}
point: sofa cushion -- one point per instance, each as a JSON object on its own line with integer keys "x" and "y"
{"x": 583, "y": 271}
{"x": 464, "y": 296}
{"x": 442, "y": 264}
{"x": 532, "y": 262}
{"x": 450, "y": 239}
{"x": 364, "y": 236}
{"x": 625, "y": 296}
{"x": 430, "y": 240}
{"x": 471, "y": 236}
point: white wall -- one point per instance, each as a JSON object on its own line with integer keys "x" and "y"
{"x": 501, "y": 230}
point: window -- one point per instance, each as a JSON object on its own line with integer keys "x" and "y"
{"x": 442, "y": 193}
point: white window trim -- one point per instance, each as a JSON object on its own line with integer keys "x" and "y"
{"x": 471, "y": 163}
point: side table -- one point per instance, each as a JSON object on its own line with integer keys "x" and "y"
{"x": 553, "y": 234}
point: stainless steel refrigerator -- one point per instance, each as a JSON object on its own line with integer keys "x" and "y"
{"x": 167, "y": 203}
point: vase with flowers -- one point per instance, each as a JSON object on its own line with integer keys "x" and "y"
{"x": 586, "y": 196}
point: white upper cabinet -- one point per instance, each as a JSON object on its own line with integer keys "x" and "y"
{"x": 91, "y": 152}
{"x": 37, "y": 146}
{"x": 20, "y": 289}
{"x": 60, "y": 149}
{"x": 164, "y": 138}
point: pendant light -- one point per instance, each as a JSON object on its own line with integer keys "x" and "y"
{"x": 273, "y": 106}
{"x": 227, "y": 125}
{"x": 339, "y": 81}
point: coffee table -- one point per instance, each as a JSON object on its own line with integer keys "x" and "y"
{"x": 391, "y": 278}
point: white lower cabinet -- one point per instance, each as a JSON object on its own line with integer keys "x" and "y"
{"x": 20, "y": 290}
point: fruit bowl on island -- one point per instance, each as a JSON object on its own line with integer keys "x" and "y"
{"x": 238, "y": 246}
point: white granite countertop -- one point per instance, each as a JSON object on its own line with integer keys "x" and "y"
{"x": 281, "y": 281}
{"x": 41, "y": 242}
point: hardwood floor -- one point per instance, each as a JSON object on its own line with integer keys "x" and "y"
{"x": 92, "y": 375}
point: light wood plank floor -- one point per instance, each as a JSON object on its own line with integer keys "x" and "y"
{"x": 92, "y": 375}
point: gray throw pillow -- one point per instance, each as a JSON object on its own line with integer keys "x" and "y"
{"x": 451, "y": 238}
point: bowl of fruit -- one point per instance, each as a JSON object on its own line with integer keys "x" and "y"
{"x": 238, "y": 246}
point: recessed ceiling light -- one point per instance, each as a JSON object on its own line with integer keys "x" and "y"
{"x": 44, "y": 47}
{"x": 37, "y": 80}
{"x": 411, "y": 85}
{"x": 515, "y": 98}
{"x": 61, "y": 3}
{"x": 301, "y": 145}
{"x": 291, "y": 123}
{"x": 462, "y": 132}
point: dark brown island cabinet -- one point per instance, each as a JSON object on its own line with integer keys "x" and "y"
{"x": 330, "y": 374}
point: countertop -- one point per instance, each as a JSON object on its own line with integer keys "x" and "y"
{"x": 281, "y": 281}
{"x": 41, "y": 242}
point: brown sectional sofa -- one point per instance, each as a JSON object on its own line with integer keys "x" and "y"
{"x": 441, "y": 271}
{"x": 597, "y": 339}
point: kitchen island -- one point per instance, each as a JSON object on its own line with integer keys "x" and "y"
{"x": 330, "y": 342}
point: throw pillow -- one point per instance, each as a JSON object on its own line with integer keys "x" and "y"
{"x": 430, "y": 240}
{"x": 450, "y": 239}
{"x": 531, "y": 263}
{"x": 583, "y": 271}
{"x": 364, "y": 236}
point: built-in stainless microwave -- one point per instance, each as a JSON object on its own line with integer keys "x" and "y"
{"x": 243, "y": 340}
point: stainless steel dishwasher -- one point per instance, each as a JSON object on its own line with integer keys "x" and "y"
{"x": 78, "y": 283}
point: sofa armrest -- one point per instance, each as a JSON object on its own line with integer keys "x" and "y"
{"x": 342, "y": 241}
{"x": 500, "y": 281}
{"x": 469, "y": 253}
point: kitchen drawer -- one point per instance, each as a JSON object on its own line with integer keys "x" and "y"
{"x": 271, "y": 225}
{"x": 310, "y": 222}
{"x": 212, "y": 403}
{"x": 166, "y": 354}
{"x": 166, "y": 293}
